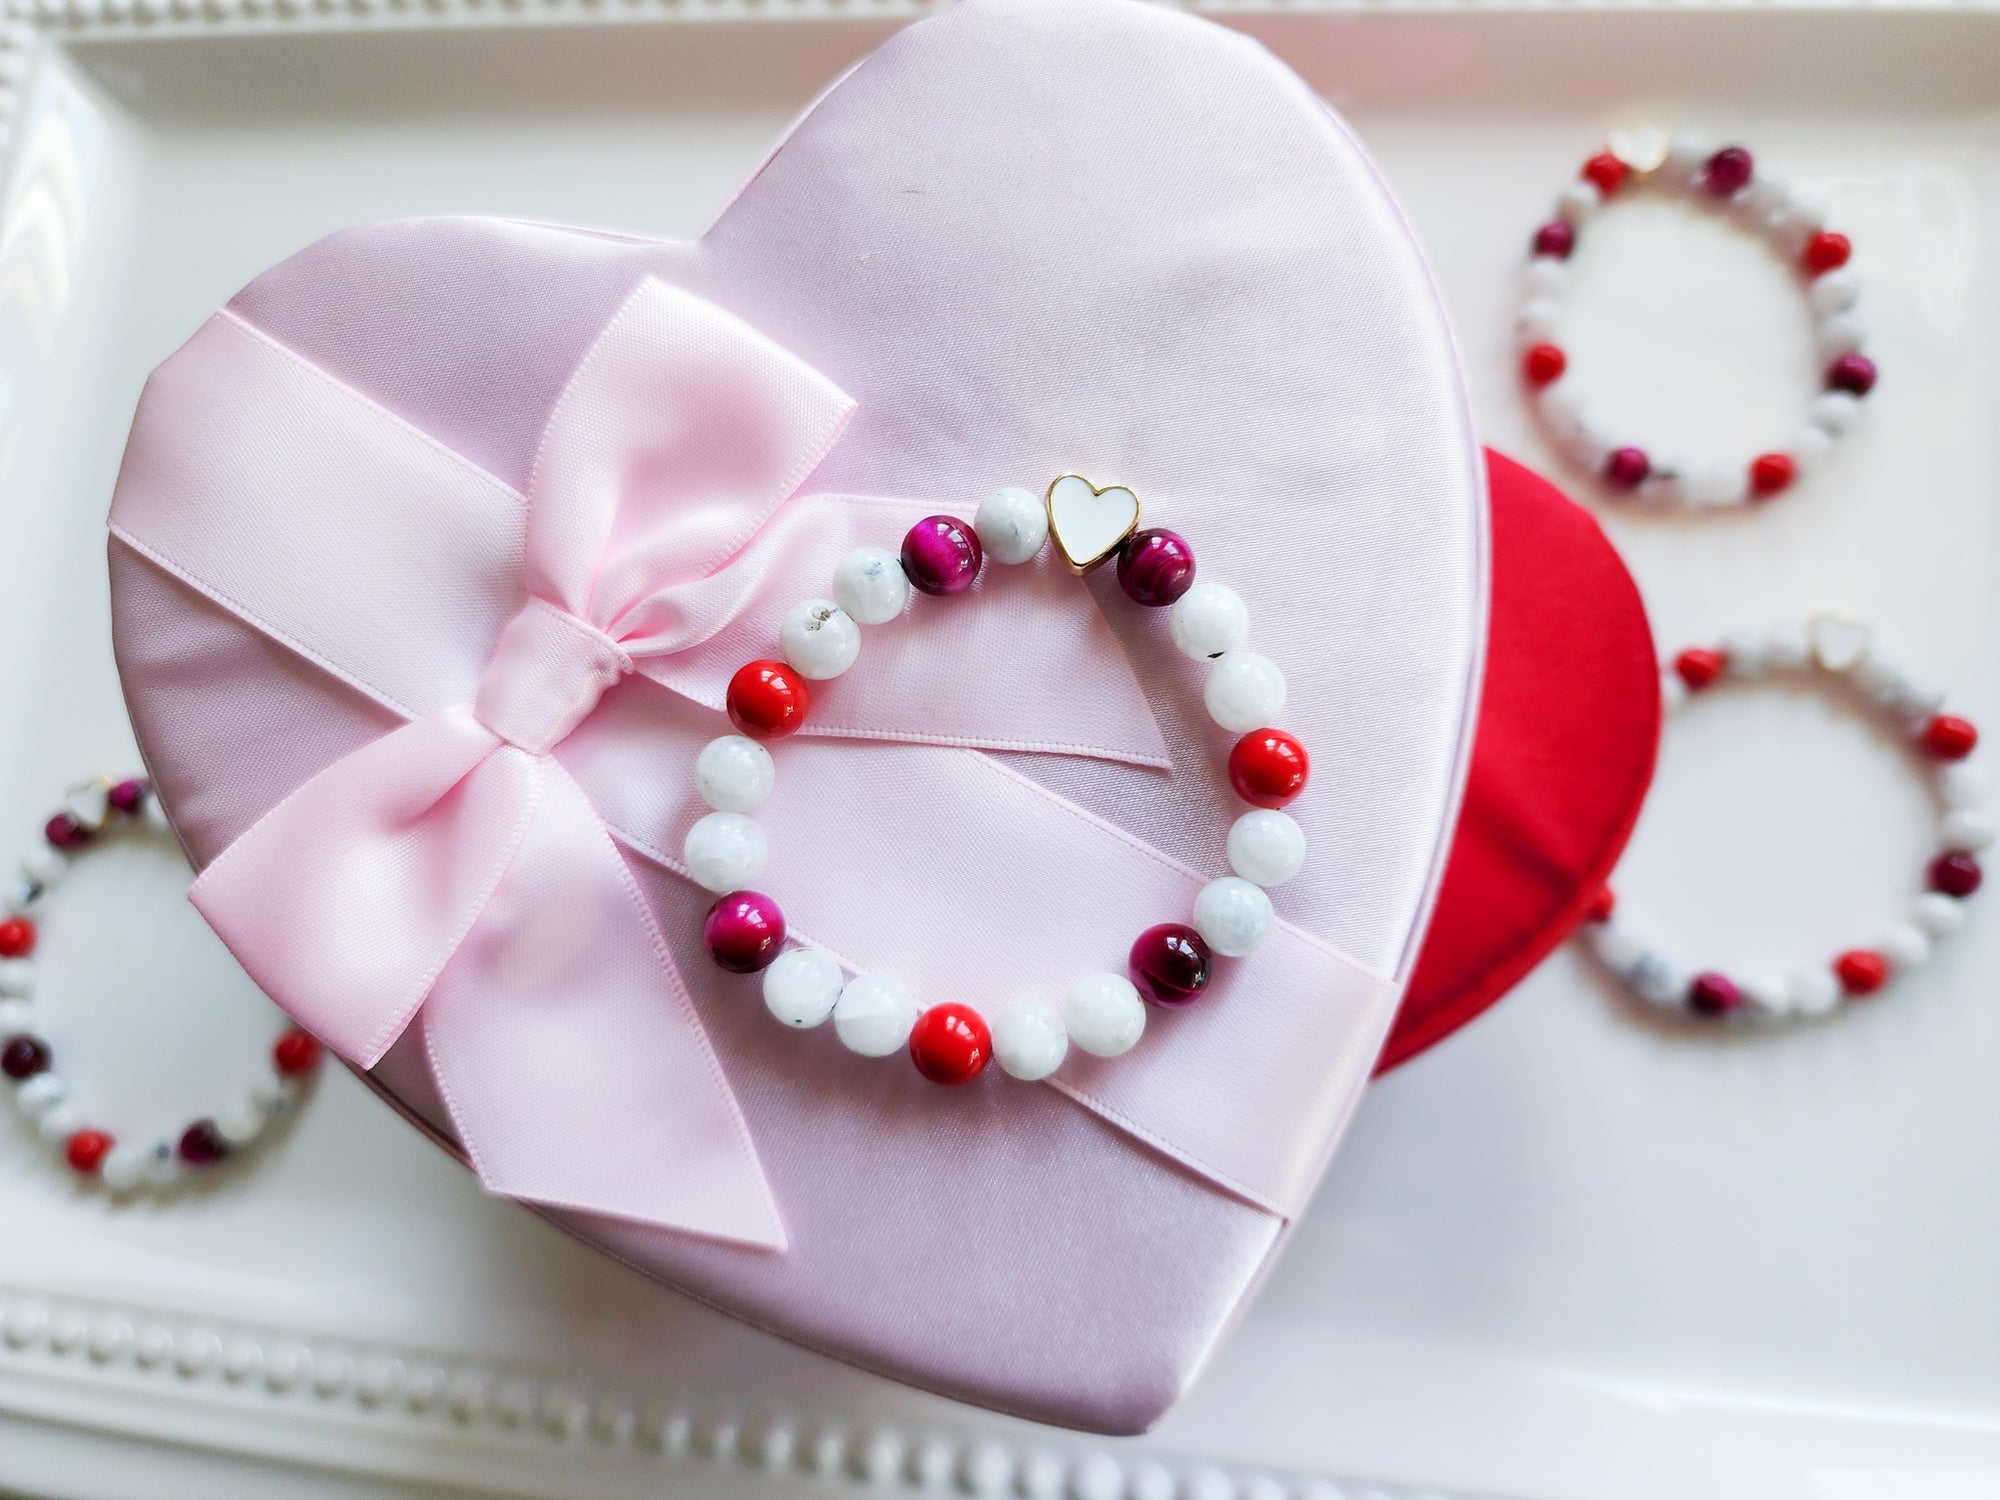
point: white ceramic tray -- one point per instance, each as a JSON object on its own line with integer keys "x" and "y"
{"x": 1570, "y": 1255}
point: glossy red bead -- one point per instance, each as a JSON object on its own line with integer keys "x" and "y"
{"x": 1602, "y": 905}
{"x": 86, "y": 1150}
{"x": 1713, "y": 995}
{"x": 23, "y": 1057}
{"x": 1956, "y": 874}
{"x": 1606, "y": 173}
{"x": 202, "y": 1144}
{"x": 17, "y": 937}
{"x": 1543, "y": 365}
{"x": 1555, "y": 239}
{"x": 295, "y": 1054}
{"x": 767, "y": 700}
{"x": 1861, "y": 971}
{"x": 1771, "y": 474}
{"x": 1949, "y": 737}
{"x": 744, "y": 931}
{"x": 64, "y": 832}
{"x": 950, "y": 1043}
{"x": 1170, "y": 964}
{"x": 1268, "y": 767}
{"x": 1826, "y": 251}
{"x": 1627, "y": 468}
{"x": 1698, "y": 667}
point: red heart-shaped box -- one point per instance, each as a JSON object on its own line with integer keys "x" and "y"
{"x": 1027, "y": 237}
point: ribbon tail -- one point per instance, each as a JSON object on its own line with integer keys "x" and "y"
{"x": 570, "y": 1054}
{"x": 348, "y": 897}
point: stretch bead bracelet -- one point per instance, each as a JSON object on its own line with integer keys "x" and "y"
{"x": 1833, "y": 651}
{"x": 1169, "y": 964}
{"x": 1793, "y": 227}
{"x": 92, "y": 813}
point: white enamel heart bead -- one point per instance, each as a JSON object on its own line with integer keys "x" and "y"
{"x": 1088, "y": 524}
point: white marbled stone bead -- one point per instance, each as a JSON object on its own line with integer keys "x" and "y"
{"x": 46, "y": 866}
{"x": 1233, "y": 916}
{"x": 17, "y": 1018}
{"x": 1104, "y": 1015}
{"x": 1562, "y": 411}
{"x": 40, "y": 1094}
{"x": 1266, "y": 847}
{"x": 734, "y": 773}
{"x": 1875, "y": 677}
{"x": 1966, "y": 830}
{"x": 1915, "y": 701}
{"x": 1905, "y": 945}
{"x": 1835, "y": 292}
{"x": 1538, "y": 322}
{"x": 1617, "y": 947}
{"x": 1961, "y": 784}
{"x": 163, "y": 1164}
{"x": 1658, "y": 980}
{"x": 1545, "y": 276}
{"x": 1939, "y": 915}
{"x": 1770, "y": 996}
{"x": 1208, "y": 621}
{"x": 1673, "y": 691}
{"x": 871, "y": 586}
{"x": 874, "y": 1015}
{"x": 1838, "y": 335}
{"x": 802, "y": 986}
{"x": 1661, "y": 487}
{"x": 1764, "y": 197}
{"x": 1012, "y": 525}
{"x": 124, "y": 1168}
{"x": 1815, "y": 992}
{"x": 1714, "y": 486}
{"x": 1687, "y": 157}
{"x": 1796, "y": 223}
{"x": 1744, "y": 651}
{"x": 59, "y": 1123}
{"x": 274, "y": 1092}
{"x": 1836, "y": 411}
{"x": 1577, "y": 202}
{"x": 820, "y": 639}
{"x": 725, "y": 851}
{"x": 1030, "y": 1040}
{"x": 1244, "y": 691}
{"x": 1809, "y": 448}
{"x": 242, "y": 1122}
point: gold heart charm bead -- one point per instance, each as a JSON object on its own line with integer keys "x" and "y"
{"x": 1090, "y": 524}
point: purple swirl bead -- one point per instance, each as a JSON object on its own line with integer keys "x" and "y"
{"x": 1169, "y": 964}
{"x": 942, "y": 555}
{"x": 1853, "y": 373}
{"x": 64, "y": 832}
{"x": 1713, "y": 995}
{"x": 1728, "y": 172}
{"x": 1155, "y": 568}
{"x": 202, "y": 1144}
{"x": 1555, "y": 239}
{"x": 23, "y": 1057}
{"x": 744, "y": 931}
{"x": 129, "y": 797}
{"x": 1627, "y": 468}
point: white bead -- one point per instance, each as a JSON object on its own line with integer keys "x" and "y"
{"x": 1658, "y": 980}
{"x": 874, "y": 1015}
{"x": 802, "y": 986}
{"x": 163, "y": 1164}
{"x": 1743, "y": 651}
{"x": 123, "y": 1169}
{"x": 1546, "y": 276}
{"x": 1905, "y": 946}
{"x": 1938, "y": 914}
{"x": 1714, "y": 486}
{"x": 1810, "y": 448}
{"x": 242, "y": 1122}
{"x": 1687, "y": 156}
{"x": 1208, "y": 621}
{"x": 725, "y": 851}
{"x": 1232, "y": 915}
{"x": 1815, "y": 992}
{"x": 1661, "y": 487}
{"x": 1836, "y": 411}
{"x": 1875, "y": 677}
{"x": 871, "y": 586}
{"x": 1835, "y": 292}
{"x": 1563, "y": 413}
{"x": 1266, "y": 847}
{"x": 1588, "y": 446}
{"x": 1537, "y": 322}
{"x": 1012, "y": 525}
{"x": 1673, "y": 691}
{"x": 1838, "y": 335}
{"x": 820, "y": 639}
{"x": 1796, "y": 223}
{"x": 1578, "y": 202}
{"x": 1966, "y": 830}
{"x": 1787, "y": 648}
{"x": 1771, "y": 996}
{"x": 1244, "y": 691}
{"x": 17, "y": 1018}
{"x": 1764, "y": 197}
{"x": 1915, "y": 701}
{"x": 1104, "y": 1014}
{"x": 734, "y": 773}
{"x": 40, "y": 1094}
{"x": 1961, "y": 784}
{"x": 57, "y": 1125}
{"x": 17, "y": 976}
{"x": 1617, "y": 947}
{"x": 45, "y": 866}
{"x": 1029, "y": 1040}
{"x": 274, "y": 1092}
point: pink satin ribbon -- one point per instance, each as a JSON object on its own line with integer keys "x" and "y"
{"x": 465, "y": 872}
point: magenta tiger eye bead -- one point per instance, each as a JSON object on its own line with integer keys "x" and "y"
{"x": 1714, "y": 995}
{"x": 744, "y": 931}
{"x": 202, "y": 1145}
{"x": 1170, "y": 964}
{"x": 1555, "y": 239}
{"x": 1627, "y": 468}
{"x": 1155, "y": 568}
{"x": 129, "y": 797}
{"x": 64, "y": 832}
{"x": 942, "y": 555}
{"x": 1729, "y": 172}
{"x": 1853, "y": 373}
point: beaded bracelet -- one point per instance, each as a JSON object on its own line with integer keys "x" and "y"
{"x": 1794, "y": 228}
{"x": 1169, "y": 964}
{"x": 1831, "y": 650}
{"x": 92, "y": 812}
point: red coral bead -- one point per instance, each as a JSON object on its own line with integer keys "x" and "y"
{"x": 1698, "y": 667}
{"x": 950, "y": 1044}
{"x": 1771, "y": 473}
{"x": 86, "y": 1151}
{"x": 767, "y": 700}
{"x": 296, "y": 1054}
{"x": 1949, "y": 737}
{"x": 1956, "y": 874}
{"x": 1606, "y": 173}
{"x": 17, "y": 937}
{"x": 1826, "y": 251}
{"x": 1543, "y": 365}
{"x": 1268, "y": 768}
{"x": 1861, "y": 971}
{"x": 1602, "y": 905}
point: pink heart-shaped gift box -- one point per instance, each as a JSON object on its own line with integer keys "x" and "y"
{"x": 1027, "y": 236}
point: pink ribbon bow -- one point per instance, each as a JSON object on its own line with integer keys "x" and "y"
{"x": 467, "y": 871}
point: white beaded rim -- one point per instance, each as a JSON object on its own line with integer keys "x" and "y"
{"x": 1837, "y": 652}
{"x": 1795, "y": 228}
{"x": 93, "y": 812}
{"x": 1104, "y": 1014}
